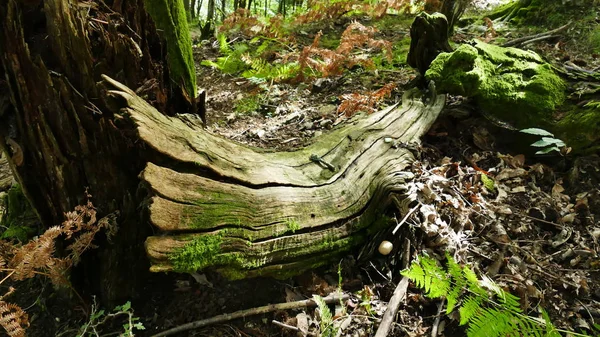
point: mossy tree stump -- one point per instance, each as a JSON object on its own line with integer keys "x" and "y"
{"x": 248, "y": 212}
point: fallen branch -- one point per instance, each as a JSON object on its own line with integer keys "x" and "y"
{"x": 535, "y": 37}
{"x": 333, "y": 298}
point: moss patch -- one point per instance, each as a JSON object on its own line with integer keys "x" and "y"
{"x": 170, "y": 19}
{"x": 511, "y": 84}
{"x": 19, "y": 221}
{"x": 199, "y": 253}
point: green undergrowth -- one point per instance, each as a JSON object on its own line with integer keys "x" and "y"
{"x": 249, "y": 59}
{"x": 482, "y": 305}
{"x": 19, "y": 221}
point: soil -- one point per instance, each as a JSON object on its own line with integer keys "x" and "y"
{"x": 537, "y": 234}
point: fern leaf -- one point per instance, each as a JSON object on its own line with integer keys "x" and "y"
{"x": 469, "y": 309}
{"x": 458, "y": 283}
{"x": 224, "y": 47}
{"x": 326, "y": 324}
{"x": 13, "y": 319}
{"x": 491, "y": 323}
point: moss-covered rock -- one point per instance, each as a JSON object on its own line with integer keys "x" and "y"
{"x": 170, "y": 19}
{"x": 516, "y": 87}
{"x": 513, "y": 85}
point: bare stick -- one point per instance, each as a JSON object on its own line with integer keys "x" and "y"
{"x": 436, "y": 323}
{"x": 545, "y": 37}
{"x": 399, "y": 295}
{"x": 531, "y": 37}
{"x": 285, "y": 326}
{"x": 333, "y": 298}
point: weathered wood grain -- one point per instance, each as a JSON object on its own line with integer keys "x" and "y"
{"x": 270, "y": 213}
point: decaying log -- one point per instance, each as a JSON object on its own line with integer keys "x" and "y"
{"x": 248, "y": 212}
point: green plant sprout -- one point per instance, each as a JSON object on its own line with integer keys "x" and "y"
{"x": 548, "y": 143}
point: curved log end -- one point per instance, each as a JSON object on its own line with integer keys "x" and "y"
{"x": 244, "y": 212}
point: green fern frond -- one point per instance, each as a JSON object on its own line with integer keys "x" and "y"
{"x": 498, "y": 315}
{"x": 224, "y": 47}
{"x": 326, "y": 323}
{"x": 470, "y": 308}
{"x": 491, "y": 322}
{"x": 428, "y": 275}
{"x": 459, "y": 282}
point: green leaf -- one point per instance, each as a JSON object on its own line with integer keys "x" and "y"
{"x": 96, "y": 315}
{"x": 548, "y": 150}
{"x": 542, "y": 143}
{"x": 537, "y": 132}
{"x": 556, "y": 141}
{"x": 124, "y": 307}
{"x": 139, "y": 326}
{"x": 210, "y": 63}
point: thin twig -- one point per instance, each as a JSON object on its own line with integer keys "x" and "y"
{"x": 436, "y": 323}
{"x": 333, "y": 298}
{"x": 404, "y": 219}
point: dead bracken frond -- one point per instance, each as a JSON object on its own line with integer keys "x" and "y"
{"x": 328, "y": 62}
{"x": 38, "y": 257}
{"x": 364, "y": 102}
{"x": 13, "y": 319}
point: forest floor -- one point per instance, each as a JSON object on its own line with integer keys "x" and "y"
{"x": 536, "y": 234}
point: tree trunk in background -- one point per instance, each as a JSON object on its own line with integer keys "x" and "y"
{"x": 209, "y": 25}
{"x": 222, "y": 10}
{"x": 428, "y": 38}
{"x": 193, "y": 9}
{"x": 58, "y": 131}
{"x": 188, "y": 9}
{"x": 453, "y": 10}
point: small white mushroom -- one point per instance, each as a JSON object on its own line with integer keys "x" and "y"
{"x": 385, "y": 247}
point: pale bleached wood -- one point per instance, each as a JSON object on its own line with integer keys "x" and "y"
{"x": 273, "y": 211}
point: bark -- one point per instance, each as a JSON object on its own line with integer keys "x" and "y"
{"x": 6, "y": 177}
{"x": 428, "y": 38}
{"x": 188, "y": 9}
{"x": 59, "y": 131}
{"x": 193, "y": 9}
{"x": 247, "y": 212}
{"x": 208, "y": 27}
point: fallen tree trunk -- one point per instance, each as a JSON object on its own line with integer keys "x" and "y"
{"x": 248, "y": 212}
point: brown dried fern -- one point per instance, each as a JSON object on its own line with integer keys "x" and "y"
{"x": 326, "y": 62}
{"x": 37, "y": 257}
{"x": 363, "y": 102}
{"x": 13, "y": 319}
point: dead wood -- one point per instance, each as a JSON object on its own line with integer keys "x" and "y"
{"x": 537, "y": 37}
{"x": 333, "y": 298}
{"x": 270, "y": 213}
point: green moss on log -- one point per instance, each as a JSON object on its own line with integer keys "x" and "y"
{"x": 170, "y": 19}
{"x": 511, "y": 84}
